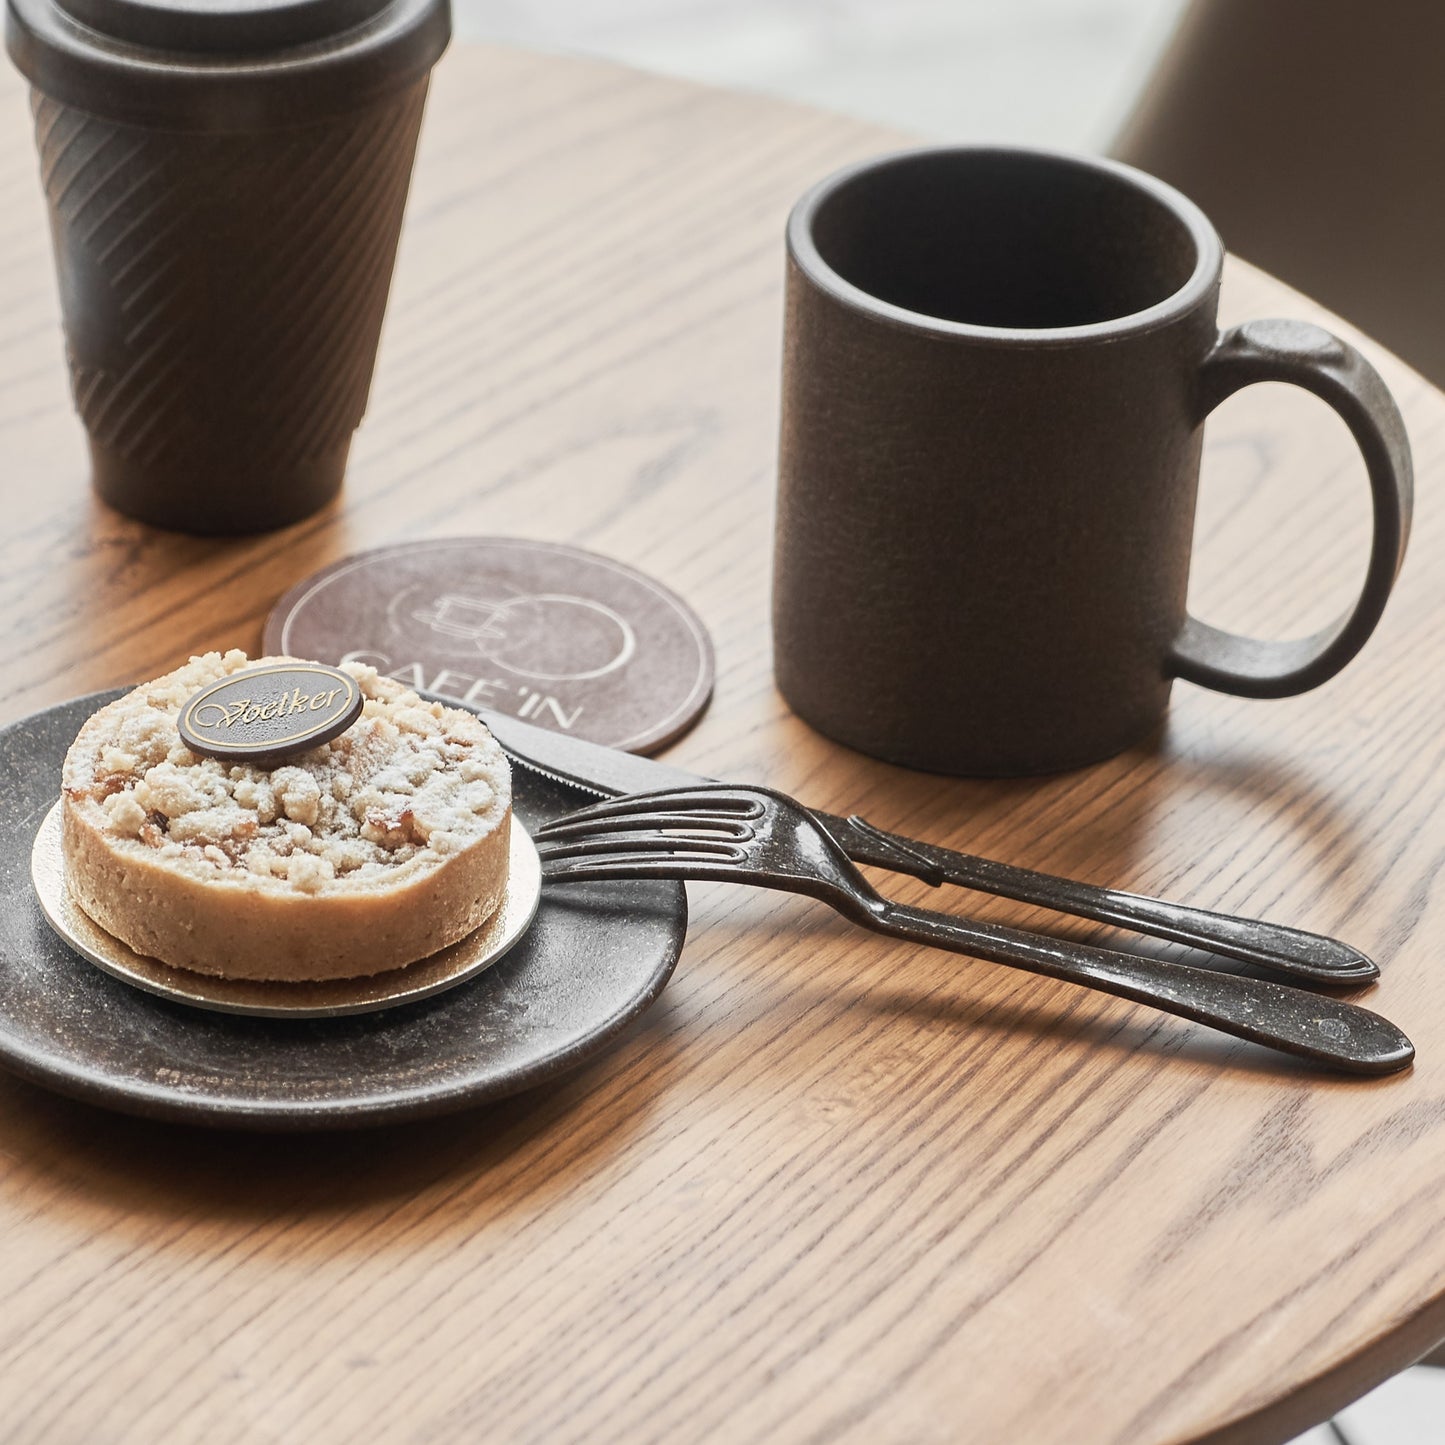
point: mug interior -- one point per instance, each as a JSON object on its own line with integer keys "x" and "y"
{"x": 1013, "y": 239}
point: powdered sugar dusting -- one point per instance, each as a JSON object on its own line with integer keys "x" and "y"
{"x": 409, "y": 784}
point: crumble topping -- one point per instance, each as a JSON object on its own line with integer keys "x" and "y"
{"x": 409, "y": 783}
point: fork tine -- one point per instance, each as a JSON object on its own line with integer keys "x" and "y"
{"x": 623, "y": 866}
{"x": 650, "y": 844}
{"x": 715, "y": 800}
{"x": 686, "y": 825}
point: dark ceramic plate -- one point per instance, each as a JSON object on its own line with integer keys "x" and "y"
{"x": 594, "y": 959}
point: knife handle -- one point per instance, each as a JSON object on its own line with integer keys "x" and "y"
{"x": 1327, "y": 1031}
{"x": 1274, "y": 946}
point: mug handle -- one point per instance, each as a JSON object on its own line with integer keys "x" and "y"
{"x": 1310, "y": 357}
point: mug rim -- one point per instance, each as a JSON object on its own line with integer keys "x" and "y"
{"x": 1208, "y": 252}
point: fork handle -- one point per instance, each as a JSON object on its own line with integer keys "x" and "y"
{"x": 1326, "y": 1030}
{"x": 1274, "y": 946}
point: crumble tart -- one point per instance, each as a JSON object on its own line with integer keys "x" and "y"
{"x": 375, "y": 849}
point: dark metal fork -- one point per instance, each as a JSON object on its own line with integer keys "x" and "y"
{"x": 592, "y": 771}
{"x": 758, "y": 836}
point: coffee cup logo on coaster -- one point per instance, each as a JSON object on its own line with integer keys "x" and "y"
{"x": 557, "y": 636}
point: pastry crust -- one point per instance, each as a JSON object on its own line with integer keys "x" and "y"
{"x": 367, "y": 853}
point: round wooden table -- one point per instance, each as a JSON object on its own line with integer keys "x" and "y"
{"x": 830, "y": 1188}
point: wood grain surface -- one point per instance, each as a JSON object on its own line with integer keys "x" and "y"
{"x": 830, "y": 1188}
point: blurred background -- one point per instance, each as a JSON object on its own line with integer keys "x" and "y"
{"x": 1311, "y": 131}
{"x": 1042, "y": 72}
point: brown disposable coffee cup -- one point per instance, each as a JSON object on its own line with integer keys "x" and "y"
{"x": 226, "y": 181}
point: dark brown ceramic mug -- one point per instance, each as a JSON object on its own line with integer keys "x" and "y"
{"x": 997, "y": 365}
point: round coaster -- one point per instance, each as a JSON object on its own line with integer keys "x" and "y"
{"x": 327, "y": 998}
{"x": 560, "y": 637}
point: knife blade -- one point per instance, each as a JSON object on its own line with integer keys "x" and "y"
{"x": 609, "y": 772}
{"x": 605, "y": 772}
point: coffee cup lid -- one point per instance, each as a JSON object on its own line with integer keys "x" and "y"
{"x": 237, "y": 27}
{"x": 223, "y": 65}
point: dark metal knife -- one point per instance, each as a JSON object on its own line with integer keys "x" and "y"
{"x": 604, "y": 772}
